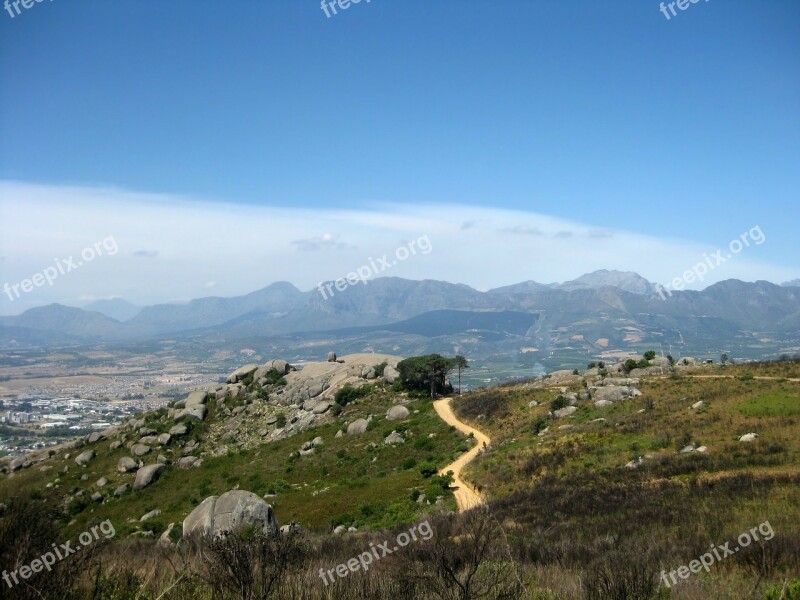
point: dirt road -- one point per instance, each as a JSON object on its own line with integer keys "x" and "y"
{"x": 466, "y": 496}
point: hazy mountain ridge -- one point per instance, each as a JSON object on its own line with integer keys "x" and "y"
{"x": 282, "y": 309}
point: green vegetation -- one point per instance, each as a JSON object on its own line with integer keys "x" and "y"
{"x": 771, "y": 404}
{"x": 426, "y": 373}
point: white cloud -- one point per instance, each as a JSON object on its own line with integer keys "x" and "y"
{"x": 240, "y": 248}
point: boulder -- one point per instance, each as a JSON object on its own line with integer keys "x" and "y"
{"x": 126, "y": 464}
{"x": 197, "y": 398}
{"x": 147, "y": 475}
{"x": 164, "y": 439}
{"x": 195, "y": 413}
{"x": 97, "y": 497}
{"x": 151, "y": 515}
{"x": 602, "y": 403}
{"x": 394, "y": 438}
{"x": 241, "y": 373}
{"x": 230, "y": 512}
{"x": 322, "y": 407}
{"x": 149, "y": 440}
{"x": 357, "y": 426}
{"x": 397, "y": 412}
{"x": 331, "y": 356}
{"x": 123, "y": 489}
{"x": 564, "y": 412}
{"x": 140, "y": 449}
{"x": 612, "y": 393}
{"x": 698, "y": 405}
{"x": 178, "y": 430}
{"x": 186, "y": 462}
{"x": 390, "y": 374}
{"x": 84, "y": 457}
{"x": 749, "y": 437}
{"x": 102, "y": 482}
{"x": 94, "y": 437}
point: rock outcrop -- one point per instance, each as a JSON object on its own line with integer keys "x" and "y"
{"x": 229, "y": 512}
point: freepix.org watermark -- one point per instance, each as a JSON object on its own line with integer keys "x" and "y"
{"x": 365, "y": 559}
{"x": 329, "y": 6}
{"x": 709, "y": 263}
{"x": 708, "y": 559}
{"x": 48, "y": 559}
{"x": 63, "y": 266}
{"x": 15, "y": 4}
{"x": 669, "y": 7}
{"x": 364, "y": 272}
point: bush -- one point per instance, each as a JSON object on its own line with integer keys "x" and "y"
{"x": 347, "y": 393}
{"x": 649, "y": 355}
{"x": 559, "y": 403}
{"x": 275, "y": 378}
{"x": 428, "y": 470}
{"x": 281, "y": 422}
{"x": 539, "y": 425}
{"x": 791, "y": 591}
{"x": 591, "y": 365}
{"x": 629, "y": 365}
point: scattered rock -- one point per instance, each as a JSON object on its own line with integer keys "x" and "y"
{"x": 564, "y": 412}
{"x": 394, "y": 438}
{"x": 140, "y": 449}
{"x": 84, "y": 457}
{"x": 147, "y": 475}
{"x": 749, "y": 437}
{"x": 397, "y": 412}
{"x": 152, "y": 514}
{"x": 123, "y": 489}
{"x": 356, "y": 427}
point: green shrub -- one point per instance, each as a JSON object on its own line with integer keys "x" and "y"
{"x": 275, "y": 378}
{"x": 281, "y": 422}
{"x": 792, "y": 591}
{"x": 347, "y": 393}
{"x": 539, "y": 425}
{"x": 558, "y": 403}
{"x": 649, "y": 355}
{"x": 428, "y": 470}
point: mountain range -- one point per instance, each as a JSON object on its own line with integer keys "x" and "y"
{"x": 599, "y": 311}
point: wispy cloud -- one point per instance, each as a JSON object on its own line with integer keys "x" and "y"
{"x": 146, "y": 253}
{"x": 243, "y": 248}
{"x": 522, "y": 230}
{"x": 326, "y": 241}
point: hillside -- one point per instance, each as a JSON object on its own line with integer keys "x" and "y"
{"x": 595, "y": 481}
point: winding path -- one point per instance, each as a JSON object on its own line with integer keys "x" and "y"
{"x": 466, "y": 496}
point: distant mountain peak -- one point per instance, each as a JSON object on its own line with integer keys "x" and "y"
{"x": 624, "y": 280}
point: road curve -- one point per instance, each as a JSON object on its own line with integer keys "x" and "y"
{"x": 466, "y": 496}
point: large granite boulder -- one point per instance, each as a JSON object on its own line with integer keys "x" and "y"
{"x": 192, "y": 413}
{"x": 397, "y": 412}
{"x": 195, "y": 399}
{"x": 230, "y": 512}
{"x": 84, "y": 457}
{"x": 613, "y": 393}
{"x": 126, "y": 465}
{"x": 390, "y": 374}
{"x": 147, "y": 475}
{"x": 357, "y": 426}
{"x": 241, "y": 373}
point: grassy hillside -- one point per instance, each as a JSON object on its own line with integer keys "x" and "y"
{"x": 355, "y": 480}
{"x": 572, "y": 506}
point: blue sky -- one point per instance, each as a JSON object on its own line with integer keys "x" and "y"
{"x": 604, "y": 114}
